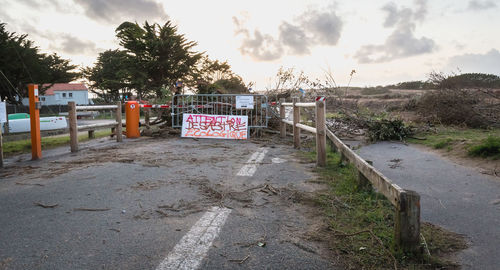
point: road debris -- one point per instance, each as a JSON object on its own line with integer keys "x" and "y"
{"x": 29, "y": 184}
{"x": 92, "y": 209}
{"x": 396, "y": 163}
{"x": 240, "y": 261}
{"x": 269, "y": 189}
{"x": 304, "y": 247}
{"x": 46, "y": 205}
{"x": 162, "y": 213}
{"x": 495, "y": 202}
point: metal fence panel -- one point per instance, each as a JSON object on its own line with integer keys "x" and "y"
{"x": 219, "y": 104}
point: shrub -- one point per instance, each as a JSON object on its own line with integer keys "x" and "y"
{"x": 488, "y": 148}
{"x": 452, "y": 107}
{"x": 384, "y": 129}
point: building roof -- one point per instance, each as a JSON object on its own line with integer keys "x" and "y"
{"x": 65, "y": 87}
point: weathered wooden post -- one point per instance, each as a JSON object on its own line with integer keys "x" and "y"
{"x": 363, "y": 182}
{"x": 119, "y": 135}
{"x": 91, "y": 134}
{"x": 296, "y": 120}
{"x": 282, "y": 117}
{"x": 407, "y": 222}
{"x": 73, "y": 129}
{"x": 147, "y": 112}
{"x": 320, "y": 133}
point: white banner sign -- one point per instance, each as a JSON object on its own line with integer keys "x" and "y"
{"x": 3, "y": 112}
{"x": 215, "y": 126}
{"x": 244, "y": 102}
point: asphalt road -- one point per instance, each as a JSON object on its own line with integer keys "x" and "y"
{"x": 139, "y": 203}
{"x": 452, "y": 196}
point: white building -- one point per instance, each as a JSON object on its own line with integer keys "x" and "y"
{"x": 62, "y": 93}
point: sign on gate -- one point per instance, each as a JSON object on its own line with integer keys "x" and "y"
{"x": 215, "y": 126}
{"x": 3, "y": 112}
{"x": 244, "y": 102}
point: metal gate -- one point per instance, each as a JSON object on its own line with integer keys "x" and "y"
{"x": 219, "y": 104}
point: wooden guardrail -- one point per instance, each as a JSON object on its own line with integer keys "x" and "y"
{"x": 406, "y": 202}
{"x": 319, "y": 130}
{"x": 74, "y": 128}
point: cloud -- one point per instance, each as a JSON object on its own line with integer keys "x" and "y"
{"x": 63, "y": 6}
{"x": 295, "y": 38}
{"x": 116, "y": 11}
{"x": 314, "y": 27}
{"x": 324, "y": 26}
{"x": 482, "y": 63}
{"x": 421, "y": 10}
{"x": 73, "y": 45}
{"x": 402, "y": 42}
{"x": 260, "y": 47}
{"x": 393, "y": 14}
{"x": 477, "y": 5}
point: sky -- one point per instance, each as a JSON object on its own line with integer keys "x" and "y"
{"x": 386, "y": 42}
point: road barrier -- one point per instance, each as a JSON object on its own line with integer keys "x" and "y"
{"x": 406, "y": 202}
{"x": 74, "y": 128}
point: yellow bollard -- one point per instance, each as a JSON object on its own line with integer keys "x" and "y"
{"x": 132, "y": 112}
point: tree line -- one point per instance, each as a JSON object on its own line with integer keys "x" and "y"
{"x": 151, "y": 63}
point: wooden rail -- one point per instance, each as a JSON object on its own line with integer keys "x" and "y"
{"x": 73, "y": 127}
{"x": 319, "y": 130}
{"x": 406, "y": 202}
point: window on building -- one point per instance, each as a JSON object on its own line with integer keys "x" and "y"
{"x": 64, "y": 95}
{"x": 70, "y": 94}
{"x": 42, "y": 98}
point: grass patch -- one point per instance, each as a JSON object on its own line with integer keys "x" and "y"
{"x": 446, "y": 143}
{"x": 361, "y": 225}
{"x": 24, "y": 146}
{"x": 490, "y": 147}
{"x": 462, "y": 139}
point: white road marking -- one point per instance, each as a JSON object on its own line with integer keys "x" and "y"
{"x": 251, "y": 167}
{"x": 277, "y": 160}
{"x": 193, "y": 247}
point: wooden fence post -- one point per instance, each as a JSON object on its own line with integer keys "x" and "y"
{"x": 282, "y": 116}
{"x": 320, "y": 134}
{"x": 73, "y": 128}
{"x": 147, "y": 112}
{"x": 296, "y": 120}
{"x": 119, "y": 135}
{"x": 407, "y": 222}
{"x": 363, "y": 182}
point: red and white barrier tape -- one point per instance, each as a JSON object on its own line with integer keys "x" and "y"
{"x": 154, "y": 106}
{"x": 320, "y": 98}
{"x": 162, "y": 106}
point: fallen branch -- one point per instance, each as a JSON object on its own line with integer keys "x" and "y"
{"x": 162, "y": 213}
{"x": 29, "y": 184}
{"x": 240, "y": 261}
{"x": 270, "y": 188}
{"x": 92, "y": 209}
{"x": 46, "y": 205}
